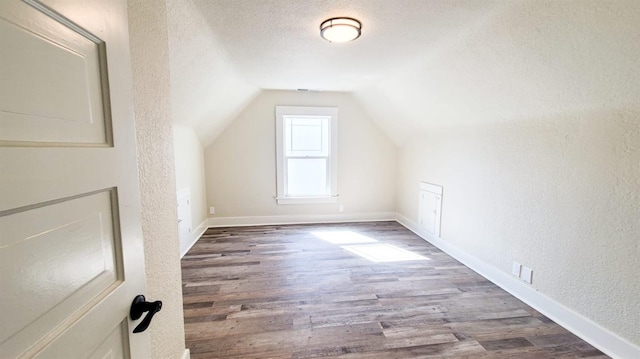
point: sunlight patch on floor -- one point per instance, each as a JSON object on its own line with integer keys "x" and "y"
{"x": 383, "y": 253}
{"x": 343, "y": 237}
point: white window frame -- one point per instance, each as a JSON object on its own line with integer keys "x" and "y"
{"x": 281, "y": 112}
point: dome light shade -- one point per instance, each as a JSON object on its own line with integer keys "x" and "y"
{"x": 340, "y": 29}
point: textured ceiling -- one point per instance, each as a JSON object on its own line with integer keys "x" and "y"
{"x": 419, "y": 64}
{"x": 276, "y": 44}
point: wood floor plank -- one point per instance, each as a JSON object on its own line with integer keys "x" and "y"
{"x": 285, "y": 292}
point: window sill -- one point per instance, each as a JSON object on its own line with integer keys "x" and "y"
{"x": 306, "y": 200}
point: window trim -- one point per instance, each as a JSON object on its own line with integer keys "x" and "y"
{"x": 332, "y": 113}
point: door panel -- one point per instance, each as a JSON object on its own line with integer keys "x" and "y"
{"x": 71, "y": 251}
{"x": 184, "y": 219}
{"x": 111, "y": 347}
{"x": 429, "y": 208}
{"x": 109, "y": 343}
{"x": 61, "y": 237}
{"x": 40, "y": 58}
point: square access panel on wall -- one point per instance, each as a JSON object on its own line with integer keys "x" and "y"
{"x": 430, "y": 208}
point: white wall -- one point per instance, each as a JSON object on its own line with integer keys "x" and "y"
{"x": 240, "y": 164}
{"x": 152, "y": 105}
{"x": 531, "y": 124}
{"x": 189, "y": 162}
{"x": 559, "y": 194}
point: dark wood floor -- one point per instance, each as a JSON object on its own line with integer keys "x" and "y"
{"x": 282, "y": 292}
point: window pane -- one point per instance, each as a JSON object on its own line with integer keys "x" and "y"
{"x": 307, "y": 177}
{"x": 307, "y": 136}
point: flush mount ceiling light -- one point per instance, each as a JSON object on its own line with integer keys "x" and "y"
{"x": 340, "y": 29}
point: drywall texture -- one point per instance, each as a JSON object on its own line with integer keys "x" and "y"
{"x": 532, "y": 127}
{"x": 558, "y": 194}
{"x": 530, "y": 59}
{"x": 241, "y": 163}
{"x": 276, "y": 44}
{"x": 206, "y": 91}
{"x": 152, "y": 105}
{"x": 189, "y": 161}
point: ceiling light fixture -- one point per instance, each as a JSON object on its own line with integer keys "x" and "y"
{"x": 340, "y": 29}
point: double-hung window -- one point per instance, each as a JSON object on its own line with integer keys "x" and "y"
{"x": 306, "y": 147}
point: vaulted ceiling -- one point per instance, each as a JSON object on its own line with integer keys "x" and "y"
{"x": 419, "y": 64}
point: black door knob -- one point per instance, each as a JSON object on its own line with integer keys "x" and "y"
{"x": 139, "y": 306}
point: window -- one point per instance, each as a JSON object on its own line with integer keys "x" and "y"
{"x": 306, "y": 148}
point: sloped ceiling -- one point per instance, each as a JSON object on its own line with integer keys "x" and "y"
{"x": 419, "y": 63}
{"x": 207, "y": 93}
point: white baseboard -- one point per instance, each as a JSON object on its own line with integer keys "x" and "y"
{"x": 186, "y": 354}
{"x": 591, "y": 332}
{"x": 298, "y": 219}
{"x": 195, "y": 235}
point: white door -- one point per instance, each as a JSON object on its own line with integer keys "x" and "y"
{"x": 71, "y": 251}
{"x": 429, "y": 208}
{"x": 184, "y": 219}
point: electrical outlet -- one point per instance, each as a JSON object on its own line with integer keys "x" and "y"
{"x": 341, "y": 208}
{"x": 212, "y": 210}
{"x": 527, "y": 274}
{"x": 515, "y": 270}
